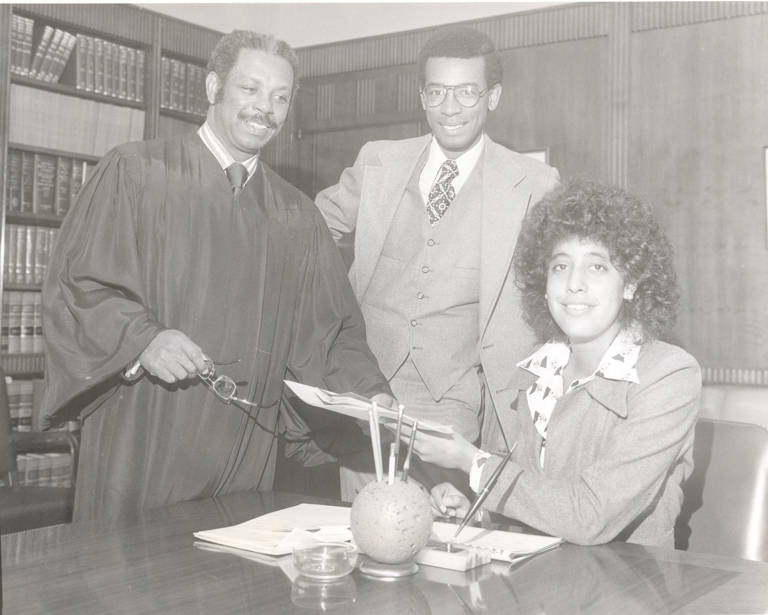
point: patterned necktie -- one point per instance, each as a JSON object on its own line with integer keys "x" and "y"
{"x": 237, "y": 175}
{"x": 442, "y": 193}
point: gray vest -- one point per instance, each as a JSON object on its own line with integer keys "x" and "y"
{"x": 424, "y": 294}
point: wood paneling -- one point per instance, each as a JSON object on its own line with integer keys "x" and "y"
{"x": 698, "y": 128}
{"x": 667, "y": 99}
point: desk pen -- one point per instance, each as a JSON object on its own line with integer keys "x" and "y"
{"x": 489, "y": 484}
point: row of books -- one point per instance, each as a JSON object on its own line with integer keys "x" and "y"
{"x": 182, "y": 86}
{"x": 23, "y": 397}
{"x": 44, "y": 184}
{"x": 86, "y": 127}
{"x": 110, "y": 69}
{"x": 53, "y": 49}
{"x": 21, "y": 322}
{"x": 44, "y": 470}
{"x": 98, "y": 65}
{"x": 28, "y": 250}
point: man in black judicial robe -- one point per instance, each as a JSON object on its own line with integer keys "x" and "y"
{"x": 164, "y": 264}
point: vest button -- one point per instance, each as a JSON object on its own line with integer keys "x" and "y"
{"x": 430, "y": 242}
{"x": 419, "y": 295}
{"x": 414, "y": 323}
{"x": 425, "y": 269}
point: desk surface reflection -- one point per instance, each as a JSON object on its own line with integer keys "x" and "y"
{"x": 150, "y": 564}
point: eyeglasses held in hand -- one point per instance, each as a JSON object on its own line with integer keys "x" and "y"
{"x": 466, "y": 94}
{"x": 223, "y": 386}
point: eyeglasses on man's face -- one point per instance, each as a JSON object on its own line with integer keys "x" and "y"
{"x": 466, "y": 94}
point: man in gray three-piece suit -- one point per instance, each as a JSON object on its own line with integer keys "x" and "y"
{"x": 435, "y": 221}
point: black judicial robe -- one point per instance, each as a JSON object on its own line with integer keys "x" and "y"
{"x": 156, "y": 240}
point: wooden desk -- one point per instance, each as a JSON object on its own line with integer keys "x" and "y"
{"x": 150, "y": 565}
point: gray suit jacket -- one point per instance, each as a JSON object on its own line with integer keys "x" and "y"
{"x": 365, "y": 201}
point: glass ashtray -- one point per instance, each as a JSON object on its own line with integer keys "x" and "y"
{"x": 326, "y": 560}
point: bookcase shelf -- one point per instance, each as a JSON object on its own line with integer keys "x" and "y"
{"x": 183, "y": 116}
{"x": 71, "y": 90}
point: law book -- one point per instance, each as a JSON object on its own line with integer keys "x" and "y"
{"x": 17, "y": 34}
{"x": 98, "y": 75}
{"x": 63, "y": 182}
{"x": 165, "y": 83}
{"x": 40, "y": 50}
{"x": 122, "y": 74}
{"x": 4, "y": 326}
{"x": 115, "y": 70}
{"x": 140, "y": 75}
{"x": 9, "y": 267}
{"x": 14, "y": 321}
{"x": 80, "y": 62}
{"x": 44, "y": 72}
{"x": 13, "y": 188}
{"x": 29, "y": 254}
{"x": 62, "y": 57}
{"x": 25, "y": 405}
{"x": 20, "y": 232}
{"x": 130, "y": 76}
{"x": 27, "y": 321}
{"x": 90, "y": 63}
{"x": 26, "y": 50}
{"x": 45, "y": 184}
{"x": 76, "y": 183}
{"x": 106, "y": 67}
{"x": 27, "y": 182}
{"x": 42, "y": 239}
{"x": 37, "y": 320}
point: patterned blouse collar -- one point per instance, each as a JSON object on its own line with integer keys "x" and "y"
{"x": 618, "y": 363}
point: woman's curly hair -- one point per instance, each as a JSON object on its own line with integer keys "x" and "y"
{"x": 638, "y": 248}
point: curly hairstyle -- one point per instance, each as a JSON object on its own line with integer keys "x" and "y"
{"x": 225, "y": 53}
{"x": 462, "y": 42}
{"x": 622, "y": 223}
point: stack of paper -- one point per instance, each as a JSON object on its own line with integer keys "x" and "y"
{"x": 499, "y": 544}
{"x": 356, "y": 406}
{"x": 279, "y": 532}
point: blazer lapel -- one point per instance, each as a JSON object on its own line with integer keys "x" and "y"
{"x": 384, "y": 186}
{"x": 503, "y": 210}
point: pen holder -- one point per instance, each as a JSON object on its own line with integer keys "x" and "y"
{"x": 391, "y": 524}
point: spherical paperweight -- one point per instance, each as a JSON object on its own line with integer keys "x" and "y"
{"x": 391, "y": 524}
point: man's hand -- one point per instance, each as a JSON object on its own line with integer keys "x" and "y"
{"x": 450, "y": 451}
{"x": 386, "y": 401}
{"x": 171, "y": 356}
{"x": 447, "y": 501}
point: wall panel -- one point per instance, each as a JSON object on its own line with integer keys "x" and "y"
{"x": 698, "y": 128}
{"x": 668, "y": 99}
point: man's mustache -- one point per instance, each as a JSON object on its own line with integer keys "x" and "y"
{"x": 265, "y": 119}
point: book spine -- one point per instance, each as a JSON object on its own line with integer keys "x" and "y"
{"x": 29, "y": 30}
{"x": 29, "y": 254}
{"x": 4, "y": 316}
{"x": 165, "y": 83}
{"x": 25, "y": 406}
{"x": 140, "y": 76}
{"x": 27, "y": 182}
{"x": 44, "y": 73}
{"x": 90, "y": 63}
{"x": 122, "y": 75}
{"x": 106, "y": 68}
{"x": 17, "y": 33}
{"x": 98, "y": 67}
{"x": 130, "y": 78}
{"x": 77, "y": 180}
{"x": 81, "y": 63}
{"x": 37, "y": 338}
{"x": 27, "y": 322}
{"x": 14, "y": 392}
{"x": 14, "y": 322}
{"x": 41, "y": 253}
{"x": 63, "y": 178}
{"x": 42, "y": 47}
{"x": 18, "y": 263}
{"x": 45, "y": 184}
{"x": 14, "y": 181}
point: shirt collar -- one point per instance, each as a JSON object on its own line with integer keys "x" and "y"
{"x": 618, "y": 364}
{"x": 466, "y": 163}
{"x": 223, "y": 157}
{"x": 619, "y": 361}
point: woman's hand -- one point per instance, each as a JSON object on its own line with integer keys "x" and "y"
{"x": 447, "y": 501}
{"x": 447, "y": 450}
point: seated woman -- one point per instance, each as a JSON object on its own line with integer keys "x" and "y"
{"x": 603, "y": 413}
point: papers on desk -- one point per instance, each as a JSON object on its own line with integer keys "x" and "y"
{"x": 355, "y": 406}
{"x": 499, "y": 544}
{"x": 277, "y": 533}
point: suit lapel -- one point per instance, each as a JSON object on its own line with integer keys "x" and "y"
{"x": 384, "y": 186}
{"x": 503, "y": 210}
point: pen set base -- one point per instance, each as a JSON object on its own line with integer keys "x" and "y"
{"x": 456, "y": 558}
{"x": 372, "y": 568}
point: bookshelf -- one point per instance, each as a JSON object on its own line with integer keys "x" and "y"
{"x": 75, "y": 81}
